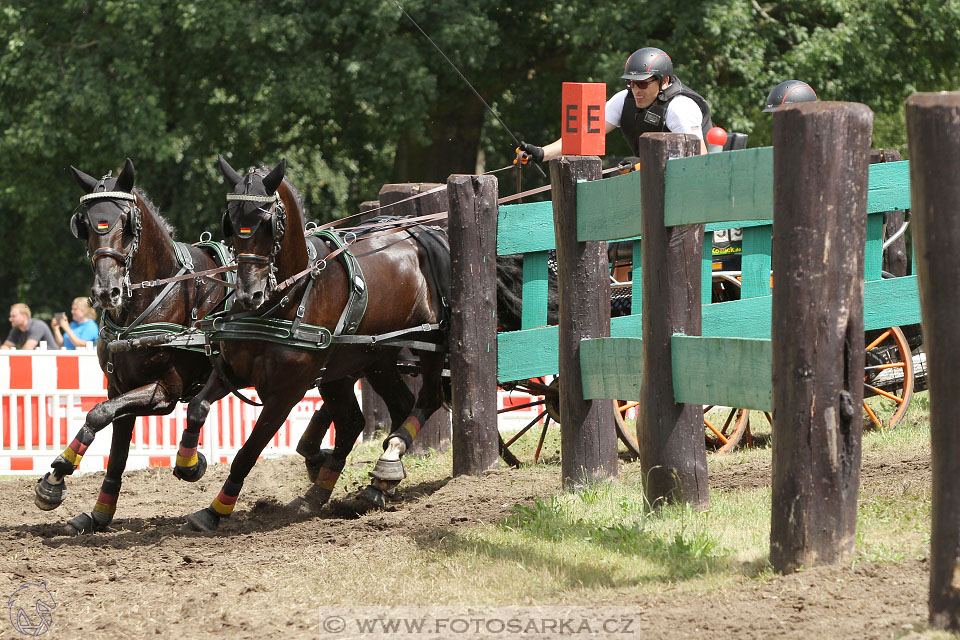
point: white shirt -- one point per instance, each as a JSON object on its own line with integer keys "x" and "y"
{"x": 683, "y": 115}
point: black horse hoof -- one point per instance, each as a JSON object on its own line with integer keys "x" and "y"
{"x": 389, "y": 470}
{"x": 372, "y": 498}
{"x": 194, "y": 473}
{"x": 86, "y": 523}
{"x": 49, "y": 496}
{"x": 204, "y": 520}
{"x": 312, "y": 501}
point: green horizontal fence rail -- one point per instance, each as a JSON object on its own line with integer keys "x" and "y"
{"x": 722, "y": 191}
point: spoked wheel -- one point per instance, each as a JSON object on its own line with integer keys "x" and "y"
{"x": 888, "y": 378}
{"x": 725, "y": 427}
{"x": 530, "y": 442}
{"x": 526, "y": 443}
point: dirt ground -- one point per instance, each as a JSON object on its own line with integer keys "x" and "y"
{"x": 148, "y": 578}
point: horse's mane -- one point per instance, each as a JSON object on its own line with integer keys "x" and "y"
{"x": 163, "y": 222}
{"x": 262, "y": 171}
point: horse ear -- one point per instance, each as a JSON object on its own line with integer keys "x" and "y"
{"x": 231, "y": 176}
{"x": 86, "y": 182}
{"x": 125, "y": 179}
{"x": 275, "y": 177}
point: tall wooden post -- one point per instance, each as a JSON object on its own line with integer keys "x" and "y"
{"x": 820, "y": 162}
{"x": 472, "y": 225}
{"x": 895, "y": 256}
{"x": 673, "y": 456}
{"x": 588, "y": 441}
{"x": 933, "y": 133}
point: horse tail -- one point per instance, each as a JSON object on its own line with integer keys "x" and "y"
{"x": 510, "y": 293}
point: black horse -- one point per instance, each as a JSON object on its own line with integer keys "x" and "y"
{"x": 325, "y": 309}
{"x": 129, "y": 243}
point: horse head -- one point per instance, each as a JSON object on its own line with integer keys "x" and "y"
{"x": 255, "y": 222}
{"x": 108, "y": 218}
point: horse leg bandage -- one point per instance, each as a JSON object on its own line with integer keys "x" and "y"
{"x": 224, "y": 503}
{"x": 106, "y": 502}
{"x": 68, "y": 461}
{"x": 407, "y": 431}
{"x": 187, "y": 453}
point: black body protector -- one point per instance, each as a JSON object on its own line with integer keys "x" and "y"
{"x": 634, "y": 121}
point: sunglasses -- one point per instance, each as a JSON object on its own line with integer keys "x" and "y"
{"x": 640, "y": 84}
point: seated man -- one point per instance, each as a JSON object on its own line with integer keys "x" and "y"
{"x": 26, "y": 332}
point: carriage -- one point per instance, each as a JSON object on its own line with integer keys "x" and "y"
{"x": 895, "y": 363}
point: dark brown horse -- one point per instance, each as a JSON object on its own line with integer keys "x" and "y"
{"x": 129, "y": 243}
{"x": 394, "y": 283}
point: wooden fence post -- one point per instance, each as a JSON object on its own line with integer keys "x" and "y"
{"x": 895, "y": 257}
{"x": 588, "y": 440}
{"x": 436, "y": 433}
{"x": 933, "y": 134}
{"x": 820, "y": 161}
{"x": 673, "y": 456}
{"x": 472, "y": 225}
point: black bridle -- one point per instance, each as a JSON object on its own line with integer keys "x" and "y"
{"x": 81, "y": 224}
{"x": 234, "y": 225}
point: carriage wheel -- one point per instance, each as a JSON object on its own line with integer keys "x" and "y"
{"x": 528, "y": 443}
{"x": 724, "y": 427}
{"x": 888, "y": 378}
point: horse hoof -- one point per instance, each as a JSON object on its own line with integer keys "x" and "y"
{"x": 204, "y": 520}
{"x": 194, "y": 473}
{"x": 49, "y": 496}
{"x": 373, "y": 497}
{"x": 389, "y": 470}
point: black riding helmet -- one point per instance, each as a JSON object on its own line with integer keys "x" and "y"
{"x": 646, "y": 63}
{"x": 789, "y": 92}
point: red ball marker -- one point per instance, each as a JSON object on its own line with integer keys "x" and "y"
{"x": 717, "y": 136}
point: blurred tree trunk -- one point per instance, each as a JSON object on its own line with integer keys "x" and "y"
{"x": 454, "y": 130}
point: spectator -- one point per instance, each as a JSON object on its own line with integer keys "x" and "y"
{"x": 80, "y": 331}
{"x": 26, "y": 332}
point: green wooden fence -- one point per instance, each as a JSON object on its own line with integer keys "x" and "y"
{"x": 730, "y": 364}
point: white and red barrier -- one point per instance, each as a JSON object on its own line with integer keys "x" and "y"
{"x": 44, "y": 396}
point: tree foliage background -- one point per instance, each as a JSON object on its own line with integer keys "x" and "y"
{"x": 353, "y": 96}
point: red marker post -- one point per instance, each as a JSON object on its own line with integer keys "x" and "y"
{"x": 584, "y": 124}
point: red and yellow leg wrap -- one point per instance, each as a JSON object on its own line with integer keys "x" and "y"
{"x": 327, "y": 478}
{"x": 106, "y": 503}
{"x": 187, "y": 457}
{"x": 224, "y": 503}
{"x": 75, "y": 450}
{"x": 187, "y": 453}
{"x": 412, "y": 426}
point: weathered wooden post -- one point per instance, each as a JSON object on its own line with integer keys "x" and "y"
{"x": 820, "y": 162}
{"x": 933, "y": 134}
{"x": 472, "y": 227}
{"x": 588, "y": 440}
{"x": 895, "y": 257}
{"x": 435, "y": 434}
{"x": 673, "y": 455}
